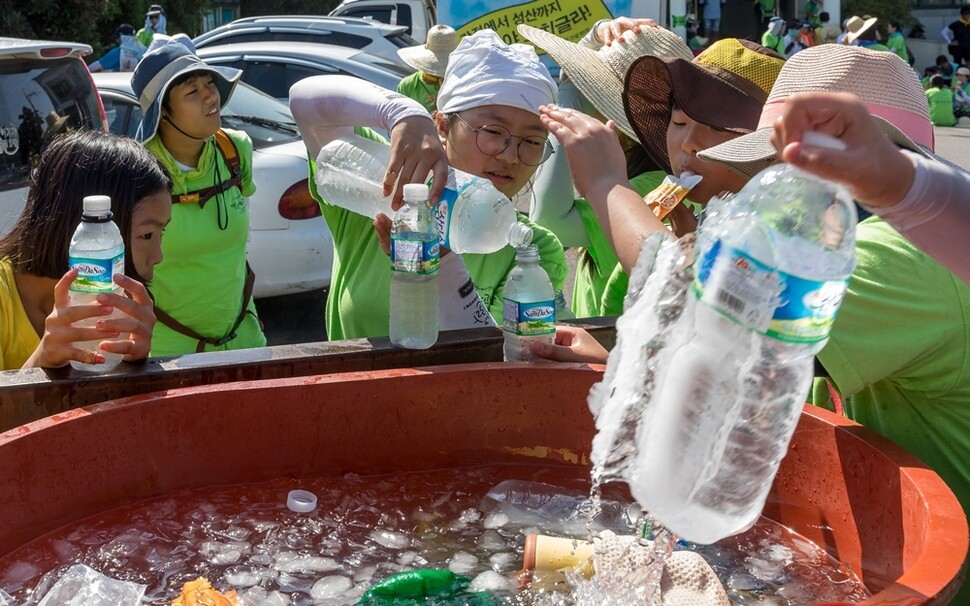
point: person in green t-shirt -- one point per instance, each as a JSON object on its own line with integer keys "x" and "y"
{"x": 940, "y": 99}
{"x": 895, "y": 41}
{"x": 774, "y": 36}
{"x": 203, "y": 288}
{"x": 487, "y": 124}
{"x": 431, "y": 60}
{"x": 812, "y": 10}
{"x": 601, "y": 275}
{"x": 764, "y": 10}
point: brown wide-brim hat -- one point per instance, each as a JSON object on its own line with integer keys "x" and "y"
{"x": 886, "y": 84}
{"x": 724, "y": 87}
{"x": 598, "y": 74}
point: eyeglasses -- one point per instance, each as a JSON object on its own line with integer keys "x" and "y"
{"x": 493, "y": 139}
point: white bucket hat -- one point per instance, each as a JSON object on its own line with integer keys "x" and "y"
{"x": 432, "y": 56}
{"x": 599, "y": 74}
{"x": 888, "y": 86}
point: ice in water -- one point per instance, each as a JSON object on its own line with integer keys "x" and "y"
{"x": 331, "y": 556}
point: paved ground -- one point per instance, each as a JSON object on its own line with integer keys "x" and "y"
{"x": 953, "y": 143}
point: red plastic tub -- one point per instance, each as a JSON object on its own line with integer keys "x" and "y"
{"x": 871, "y": 505}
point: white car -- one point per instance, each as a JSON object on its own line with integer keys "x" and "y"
{"x": 44, "y": 88}
{"x": 290, "y": 247}
{"x": 367, "y": 35}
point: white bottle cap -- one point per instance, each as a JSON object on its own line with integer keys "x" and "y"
{"x": 301, "y": 501}
{"x": 96, "y": 205}
{"x": 817, "y": 139}
{"x": 415, "y": 191}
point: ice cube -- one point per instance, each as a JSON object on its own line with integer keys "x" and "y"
{"x": 491, "y": 582}
{"x": 329, "y": 587}
{"x": 390, "y": 538}
{"x": 462, "y": 563}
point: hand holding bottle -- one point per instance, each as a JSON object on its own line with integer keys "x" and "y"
{"x": 871, "y": 167}
{"x": 416, "y": 151}
{"x": 58, "y": 345}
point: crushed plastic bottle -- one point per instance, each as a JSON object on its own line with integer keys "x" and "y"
{"x": 771, "y": 270}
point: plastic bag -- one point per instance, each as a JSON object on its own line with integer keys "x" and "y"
{"x": 81, "y": 585}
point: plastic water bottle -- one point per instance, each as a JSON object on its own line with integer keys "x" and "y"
{"x": 414, "y": 272}
{"x": 771, "y": 271}
{"x": 528, "y": 307}
{"x": 98, "y": 253}
{"x": 472, "y": 216}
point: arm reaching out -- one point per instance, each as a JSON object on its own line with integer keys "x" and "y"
{"x": 326, "y": 107}
{"x": 626, "y": 220}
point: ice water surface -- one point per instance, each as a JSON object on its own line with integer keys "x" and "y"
{"x": 365, "y": 529}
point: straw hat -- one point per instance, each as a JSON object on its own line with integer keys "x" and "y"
{"x": 884, "y": 82}
{"x": 432, "y": 56}
{"x": 599, "y": 74}
{"x": 55, "y": 121}
{"x": 856, "y": 26}
{"x": 724, "y": 87}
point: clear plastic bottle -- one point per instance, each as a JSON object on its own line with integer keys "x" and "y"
{"x": 472, "y": 216}
{"x": 414, "y": 272}
{"x": 529, "y": 306}
{"x": 98, "y": 253}
{"x": 771, "y": 271}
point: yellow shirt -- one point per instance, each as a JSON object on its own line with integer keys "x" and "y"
{"x": 18, "y": 339}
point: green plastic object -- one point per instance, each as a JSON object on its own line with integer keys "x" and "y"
{"x": 425, "y": 587}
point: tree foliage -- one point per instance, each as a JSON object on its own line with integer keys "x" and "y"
{"x": 93, "y": 21}
{"x": 250, "y": 8}
{"x": 884, "y": 10}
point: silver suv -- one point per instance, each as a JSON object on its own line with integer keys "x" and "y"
{"x": 363, "y": 34}
{"x": 45, "y": 89}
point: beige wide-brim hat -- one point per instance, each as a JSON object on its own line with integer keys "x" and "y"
{"x": 856, "y": 26}
{"x": 599, "y": 74}
{"x": 888, "y": 86}
{"x": 55, "y": 121}
{"x": 432, "y": 56}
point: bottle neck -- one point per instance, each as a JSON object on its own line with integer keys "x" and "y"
{"x": 520, "y": 234}
{"x": 97, "y": 218}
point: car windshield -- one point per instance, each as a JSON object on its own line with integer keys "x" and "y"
{"x": 38, "y": 100}
{"x": 263, "y": 118}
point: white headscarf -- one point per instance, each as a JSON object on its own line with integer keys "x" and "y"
{"x": 484, "y": 70}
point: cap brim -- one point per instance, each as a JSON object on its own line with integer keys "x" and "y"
{"x": 226, "y": 79}
{"x": 593, "y": 76}
{"x": 750, "y": 154}
{"x": 653, "y": 84}
{"x": 420, "y": 58}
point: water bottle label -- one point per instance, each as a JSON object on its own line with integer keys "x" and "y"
{"x": 442, "y": 211}
{"x": 414, "y": 256}
{"x": 529, "y": 319}
{"x": 446, "y": 204}
{"x": 777, "y": 304}
{"x": 738, "y": 286}
{"x": 96, "y": 275}
{"x": 807, "y": 310}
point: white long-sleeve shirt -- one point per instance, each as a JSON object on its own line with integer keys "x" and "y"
{"x": 935, "y": 214}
